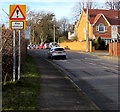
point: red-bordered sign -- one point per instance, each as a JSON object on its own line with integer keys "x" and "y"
{"x": 17, "y": 14}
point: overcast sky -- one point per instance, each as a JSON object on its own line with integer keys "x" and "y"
{"x": 61, "y": 8}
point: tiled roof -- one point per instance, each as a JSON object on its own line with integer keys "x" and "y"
{"x": 97, "y": 16}
{"x": 111, "y": 15}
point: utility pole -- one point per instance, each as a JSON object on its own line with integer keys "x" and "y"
{"x": 54, "y": 32}
{"x": 87, "y": 32}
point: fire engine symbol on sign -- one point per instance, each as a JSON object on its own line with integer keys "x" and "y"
{"x": 17, "y": 14}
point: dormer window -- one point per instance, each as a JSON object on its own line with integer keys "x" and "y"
{"x": 101, "y": 28}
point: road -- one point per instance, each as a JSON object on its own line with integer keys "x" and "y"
{"x": 97, "y": 77}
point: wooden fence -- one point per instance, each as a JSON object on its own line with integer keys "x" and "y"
{"x": 114, "y": 49}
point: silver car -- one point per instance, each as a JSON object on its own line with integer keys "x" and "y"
{"x": 57, "y": 52}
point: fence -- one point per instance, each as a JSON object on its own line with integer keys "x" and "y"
{"x": 114, "y": 49}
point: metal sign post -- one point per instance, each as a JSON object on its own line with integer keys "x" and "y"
{"x": 17, "y": 21}
{"x": 14, "y": 55}
{"x": 19, "y": 56}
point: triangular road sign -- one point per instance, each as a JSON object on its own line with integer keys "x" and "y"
{"x": 17, "y": 14}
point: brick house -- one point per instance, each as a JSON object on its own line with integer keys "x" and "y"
{"x": 103, "y": 23}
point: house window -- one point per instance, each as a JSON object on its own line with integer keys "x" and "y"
{"x": 116, "y": 17}
{"x": 101, "y": 28}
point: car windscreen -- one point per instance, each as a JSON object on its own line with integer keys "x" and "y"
{"x": 59, "y": 49}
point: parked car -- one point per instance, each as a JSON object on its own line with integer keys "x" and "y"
{"x": 56, "y": 52}
{"x": 30, "y": 46}
{"x": 46, "y": 46}
{"x": 53, "y": 44}
{"x": 37, "y": 46}
{"x": 41, "y": 46}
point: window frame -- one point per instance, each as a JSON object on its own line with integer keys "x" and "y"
{"x": 101, "y": 25}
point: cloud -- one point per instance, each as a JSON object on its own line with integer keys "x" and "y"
{"x": 74, "y": 1}
{"x": 38, "y": 0}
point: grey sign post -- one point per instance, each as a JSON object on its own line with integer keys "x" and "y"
{"x": 19, "y": 56}
{"x": 14, "y": 55}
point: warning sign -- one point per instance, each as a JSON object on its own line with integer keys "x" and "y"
{"x": 17, "y": 18}
{"x": 17, "y": 14}
{"x": 17, "y": 25}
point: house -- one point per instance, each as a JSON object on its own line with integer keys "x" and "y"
{"x": 71, "y": 35}
{"x": 96, "y": 22}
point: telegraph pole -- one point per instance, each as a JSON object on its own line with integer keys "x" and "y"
{"x": 87, "y": 32}
{"x": 54, "y": 32}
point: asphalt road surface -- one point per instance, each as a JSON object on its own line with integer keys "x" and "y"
{"x": 97, "y": 77}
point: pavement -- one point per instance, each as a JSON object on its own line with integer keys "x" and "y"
{"x": 57, "y": 93}
{"x": 104, "y": 55}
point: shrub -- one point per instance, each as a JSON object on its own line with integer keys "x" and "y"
{"x": 7, "y": 53}
{"x": 61, "y": 39}
{"x": 99, "y": 44}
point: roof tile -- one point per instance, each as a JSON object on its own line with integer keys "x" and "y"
{"x": 111, "y": 15}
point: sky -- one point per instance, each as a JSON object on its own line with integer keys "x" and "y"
{"x": 61, "y": 8}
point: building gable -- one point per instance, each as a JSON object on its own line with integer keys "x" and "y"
{"x": 81, "y": 16}
{"x": 112, "y": 16}
{"x": 99, "y": 17}
{"x": 83, "y": 27}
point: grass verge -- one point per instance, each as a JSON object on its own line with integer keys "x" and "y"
{"x": 23, "y": 94}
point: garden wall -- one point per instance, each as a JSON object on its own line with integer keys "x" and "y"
{"x": 76, "y": 45}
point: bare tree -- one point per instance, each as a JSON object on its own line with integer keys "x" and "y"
{"x": 113, "y": 4}
{"x": 83, "y": 4}
{"x": 64, "y": 26}
{"x": 42, "y": 25}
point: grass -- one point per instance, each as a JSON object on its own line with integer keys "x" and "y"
{"x": 23, "y": 94}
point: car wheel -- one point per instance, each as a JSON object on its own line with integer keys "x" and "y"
{"x": 52, "y": 57}
{"x": 49, "y": 57}
{"x": 64, "y": 57}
